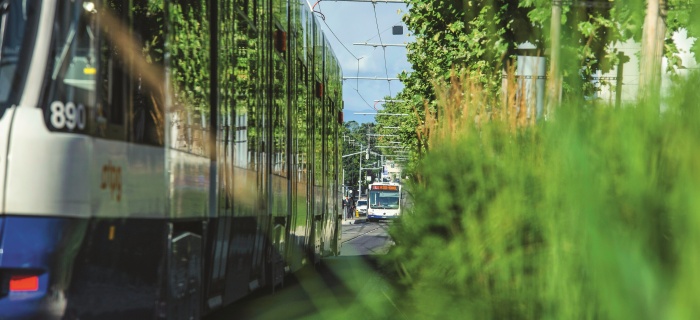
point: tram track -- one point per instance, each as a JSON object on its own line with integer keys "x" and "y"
{"x": 377, "y": 227}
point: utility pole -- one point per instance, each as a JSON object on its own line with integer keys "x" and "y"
{"x": 654, "y": 34}
{"x": 554, "y": 87}
{"x": 359, "y": 177}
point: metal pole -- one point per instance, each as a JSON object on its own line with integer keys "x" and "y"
{"x": 359, "y": 177}
{"x": 555, "y": 80}
{"x": 653, "y": 34}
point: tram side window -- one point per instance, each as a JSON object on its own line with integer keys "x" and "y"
{"x": 145, "y": 117}
{"x": 71, "y": 71}
{"x": 113, "y": 88}
{"x": 16, "y": 18}
{"x": 189, "y": 75}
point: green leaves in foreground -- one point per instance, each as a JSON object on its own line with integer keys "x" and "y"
{"x": 592, "y": 215}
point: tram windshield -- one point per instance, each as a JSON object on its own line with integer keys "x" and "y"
{"x": 18, "y": 19}
{"x": 384, "y": 199}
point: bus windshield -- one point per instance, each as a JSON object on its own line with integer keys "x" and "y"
{"x": 18, "y": 19}
{"x": 384, "y": 199}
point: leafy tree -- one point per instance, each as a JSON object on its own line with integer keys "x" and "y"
{"x": 354, "y": 136}
{"x": 480, "y": 36}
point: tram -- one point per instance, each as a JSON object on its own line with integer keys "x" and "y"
{"x": 384, "y": 201}
{"x": 162, "y": 159}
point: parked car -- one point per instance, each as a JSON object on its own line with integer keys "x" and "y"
{"x": 361, "y": 208}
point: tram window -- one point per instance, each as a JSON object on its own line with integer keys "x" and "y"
{"x": 146, "y": 121}
{"x": 189, "y": 75}
{"x": 72, "y": 68}
{"x": 17, "y": 19}
{"x": 279, "y": 115}
{"x": 113, "y": 83}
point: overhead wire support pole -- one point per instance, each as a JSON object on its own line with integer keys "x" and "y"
{"x": 352, "y": 154}
{"x": 555, "y": 84}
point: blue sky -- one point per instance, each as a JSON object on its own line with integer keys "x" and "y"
{"x": 355, "y": 22}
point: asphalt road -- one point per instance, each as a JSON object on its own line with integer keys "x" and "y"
{"x": 350, "y": 286}
{"x": 367, "y": 238}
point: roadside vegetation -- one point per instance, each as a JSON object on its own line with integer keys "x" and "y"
{"x": 590, "y": 213}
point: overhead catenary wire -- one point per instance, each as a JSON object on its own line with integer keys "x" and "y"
{"x": 323, "y": 16}
{"x": 376, "y": 22}
{"x": 379, "y": 34}
{"x": 385, "y": 30}
{"x": 353, "y": 55}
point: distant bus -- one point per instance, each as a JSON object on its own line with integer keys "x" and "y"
{"x": 384, "y": 201}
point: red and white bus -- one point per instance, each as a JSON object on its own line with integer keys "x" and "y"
{"x": 384, "y": 201}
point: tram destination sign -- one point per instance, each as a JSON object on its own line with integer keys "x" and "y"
{"x": 385, "y": 187}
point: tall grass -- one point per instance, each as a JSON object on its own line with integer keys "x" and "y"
{"x": 595, "y": 214}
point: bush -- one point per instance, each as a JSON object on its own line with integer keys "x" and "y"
{"x": 592, "y": 215}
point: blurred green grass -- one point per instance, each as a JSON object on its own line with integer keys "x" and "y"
{"x": 593, "y": 214}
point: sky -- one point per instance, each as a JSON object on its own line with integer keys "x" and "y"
{"x": 349, "y": 22}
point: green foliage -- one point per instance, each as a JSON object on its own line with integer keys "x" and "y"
{"x": 592, "y": 215}
{"x": 481, "y": 36}
{"x": 190, "y": 56}
{"x": 354, "y": 135}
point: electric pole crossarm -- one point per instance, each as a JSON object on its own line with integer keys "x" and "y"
{"x": 352, "y": 154}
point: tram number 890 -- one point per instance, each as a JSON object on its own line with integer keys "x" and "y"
{"x": 68, "y": 116}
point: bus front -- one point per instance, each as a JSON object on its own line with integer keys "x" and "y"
{"x": 384, "y": 201}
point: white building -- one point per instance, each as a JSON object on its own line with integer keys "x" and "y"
{"x": 391, "y": 171}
